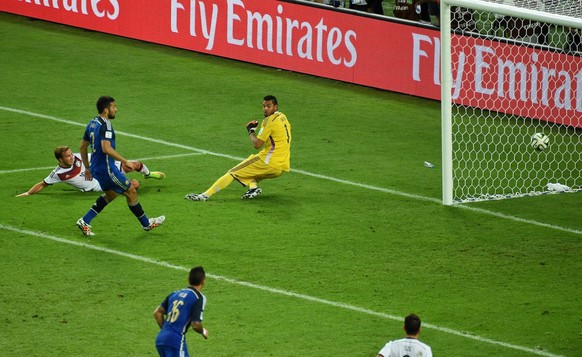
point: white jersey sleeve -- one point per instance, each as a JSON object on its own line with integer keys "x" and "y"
{"x": 406, "y": 347}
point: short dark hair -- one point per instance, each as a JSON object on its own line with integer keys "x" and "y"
{"x": 271, "y": 98}
{"x": 412, "y": 324}
{"x": 60, "y": 150}
{"x": 103, "y": 103}
{"x": 197, "y": 276}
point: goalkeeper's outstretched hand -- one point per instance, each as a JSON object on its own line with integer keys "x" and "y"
{"x": 252, "y": 126}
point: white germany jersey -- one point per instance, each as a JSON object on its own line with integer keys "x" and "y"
{"x": 74, "y": 176}
{"x": 406, "y": 347}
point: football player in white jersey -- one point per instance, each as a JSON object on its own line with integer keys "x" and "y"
{"x": 72, "y": 171}
{"x": 409, "y": 346}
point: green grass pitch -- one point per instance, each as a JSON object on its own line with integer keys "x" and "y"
{"x": 326, "y": 262}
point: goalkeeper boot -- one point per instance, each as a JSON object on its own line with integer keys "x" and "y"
{"x": 252, "y": 193}
{"x": 156, "y": 175}
{"x": 196, "y": 197}
{"x": 155, "y": 222}
{"x": 84, "y": 227}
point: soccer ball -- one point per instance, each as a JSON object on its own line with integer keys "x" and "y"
{"x": 540, "y": 141}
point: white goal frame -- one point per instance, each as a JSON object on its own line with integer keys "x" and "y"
{"x": 447, "y": 76}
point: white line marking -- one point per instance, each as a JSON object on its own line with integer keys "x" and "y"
{"x": 435, "y": 200}
{"x": 28, "y": 169}
{"x": 277, "y": 291}
{"x": 140, "y": 159}
{"x": 392, "y": 192}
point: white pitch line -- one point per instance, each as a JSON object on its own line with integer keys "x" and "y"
{"x": 277, "y": 291}
{"x": 375, "y": 188}
{"x": 140, "y": 159}
{"x": 27, "y": 169}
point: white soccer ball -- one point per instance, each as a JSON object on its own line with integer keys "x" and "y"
{"x": 540, "y": 141}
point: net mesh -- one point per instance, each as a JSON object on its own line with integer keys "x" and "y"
{"x": 528, "y": 76}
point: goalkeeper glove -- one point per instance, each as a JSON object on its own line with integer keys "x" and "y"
{"x": 252, "y": 126}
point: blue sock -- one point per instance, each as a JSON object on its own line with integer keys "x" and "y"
{"x": 97, "y": 207}
{"x": 140, "y": 214}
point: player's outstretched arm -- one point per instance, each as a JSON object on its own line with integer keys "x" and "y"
{"x": 34, "y": 189}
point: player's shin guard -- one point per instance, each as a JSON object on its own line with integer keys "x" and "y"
{"x": 97, "y": 207}
{"x": 137, "y": 210}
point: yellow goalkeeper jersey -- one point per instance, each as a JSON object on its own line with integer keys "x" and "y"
{"x": 276, "y": 133}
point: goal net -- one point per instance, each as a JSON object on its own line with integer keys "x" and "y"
{"x": 510, "y": 69}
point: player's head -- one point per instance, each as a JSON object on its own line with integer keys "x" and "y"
{"x": 412, "y": 325}
{"x": 60, "y": 150}
{"x": 197, "y": 276}
{"x": 270, "y": 105}
{"x": 106, "y": 107}
{"x": 64, "y": 155}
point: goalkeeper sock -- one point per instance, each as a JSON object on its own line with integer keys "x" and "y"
{"x": 219, "y": 185}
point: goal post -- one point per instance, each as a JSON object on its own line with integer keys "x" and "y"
{"x": 510, "y": 69}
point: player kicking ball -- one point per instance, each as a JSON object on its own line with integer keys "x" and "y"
{"x": 71, "y": 171}
{"x": 274, "y": 137}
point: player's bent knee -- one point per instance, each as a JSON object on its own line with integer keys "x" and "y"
{"x": 131, "y": 194}
{"x": 135, "y": 184}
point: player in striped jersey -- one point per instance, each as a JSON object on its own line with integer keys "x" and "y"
{"x": 409, "y": 346}
{"x": 72, "y": 172}
{"x": 180, "y": 310}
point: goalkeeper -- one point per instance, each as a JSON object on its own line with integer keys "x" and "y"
{"x": 274, "y": 137}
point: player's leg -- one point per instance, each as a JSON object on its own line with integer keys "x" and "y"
{"x": 84, "y": 222}
{"x": 251, "y": 174}
{"x": 137, "y": 210}
{"x": 246, "y": 171}
{"x": 223, "y": 182}
{"x": 135, "y": 184}
{"x": 143, "y": 169}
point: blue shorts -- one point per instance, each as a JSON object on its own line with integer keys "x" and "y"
{"x": 166, "y": 351}
{"x": 113, "y": 180}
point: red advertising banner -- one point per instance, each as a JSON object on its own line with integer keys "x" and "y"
{"x": 519, "y": 80}
{"x": 363, "y": 50}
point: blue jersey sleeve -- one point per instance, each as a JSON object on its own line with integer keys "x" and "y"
{"x": 164, "y": 303}
{"x": 86, "y": 136}
{"x": 198, "y": 309}
{"x": 106, "y": 133}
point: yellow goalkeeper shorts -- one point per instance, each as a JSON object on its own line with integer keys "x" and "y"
{"x": 253, "y": 169}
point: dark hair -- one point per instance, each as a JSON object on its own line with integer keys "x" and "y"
{"x": 271, "y": 98}
{"x": 60, "y": 150}
{"x": 103, "y": 103}
{"x": 412, "y": 324}
{"x": 197, "y": 276}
